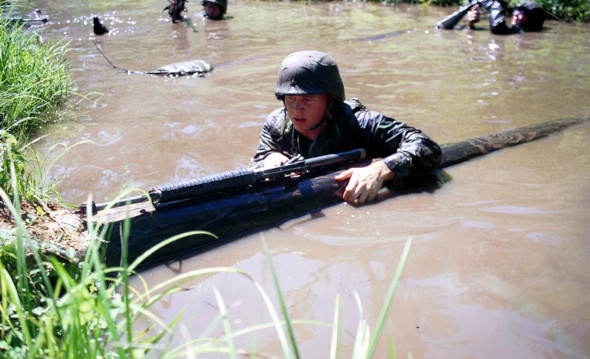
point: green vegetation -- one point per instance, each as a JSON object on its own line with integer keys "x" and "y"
{"x": 34, "y": 78}
{"x": 567, "y": 10}
{"x": 34, "y": 82}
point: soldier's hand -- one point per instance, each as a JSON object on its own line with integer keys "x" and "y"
{"x": 275, "y": 159}
{"x": 364, "y": 182}
{"x": 473, "y": 16}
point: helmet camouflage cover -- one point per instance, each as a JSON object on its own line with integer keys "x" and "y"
{"x": 309, "y": 73}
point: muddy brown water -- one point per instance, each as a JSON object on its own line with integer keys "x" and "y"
{"x": 498, "y": 263}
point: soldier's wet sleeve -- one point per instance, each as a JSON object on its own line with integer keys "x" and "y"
{"x": 498, "y": 24}
{"x": 271, "y": 137}
{"x": 407, "y": 150}
{"x": 265, "y": 145}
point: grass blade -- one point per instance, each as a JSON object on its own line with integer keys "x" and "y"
{"x": 389, "y": 300}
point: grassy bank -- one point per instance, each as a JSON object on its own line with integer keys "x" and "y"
{"x": 34, "y": 82}
{"x": 34, "y": 77}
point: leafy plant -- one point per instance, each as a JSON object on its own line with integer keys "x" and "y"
{"x": 567, "y": 10}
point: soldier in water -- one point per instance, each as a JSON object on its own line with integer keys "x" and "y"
{"x": 526, "y": 16}
{"x": 214, "y": 9}
{"x": 175, "y": 9}
{"x": 316, "y": 120}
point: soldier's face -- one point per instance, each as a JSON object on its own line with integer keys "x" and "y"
{"x": 519, "y": 18}
{"x": 212, "y": 10}
{"x": 306, "y": 112}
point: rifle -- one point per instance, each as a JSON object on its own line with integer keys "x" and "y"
{"x": 450, "y": 21}
{"x": 231, "y": 181}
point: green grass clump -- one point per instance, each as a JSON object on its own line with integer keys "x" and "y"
{"x": 34, "y": 79}
{"x": 567, "y": 10}
{"x": 34, "y": 82}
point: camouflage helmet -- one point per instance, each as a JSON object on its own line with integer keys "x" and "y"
{"x": 222, "y": 4}
{"x": 309, "y": 73}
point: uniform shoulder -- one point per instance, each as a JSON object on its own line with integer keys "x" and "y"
{"x": 277, "y": 123}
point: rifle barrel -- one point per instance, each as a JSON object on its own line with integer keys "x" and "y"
{"x": 131, "y": 200}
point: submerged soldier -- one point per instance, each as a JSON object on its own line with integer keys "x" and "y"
{"x": 316, "y": 120}
{"x": 214, "y": 9}
{"x": 175, "y": 9}
{"x": 526, "y": 16}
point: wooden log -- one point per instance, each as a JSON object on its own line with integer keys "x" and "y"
{"x": 454, "y": 153}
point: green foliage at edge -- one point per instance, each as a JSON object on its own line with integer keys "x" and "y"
{"x": 567, "y": 10}
{"x": 34, "y": 83}
{"x": 34, "y": 79}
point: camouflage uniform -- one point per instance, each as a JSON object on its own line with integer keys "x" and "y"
{"x": 405, "y": 150}
{"x": 498, "y": 24}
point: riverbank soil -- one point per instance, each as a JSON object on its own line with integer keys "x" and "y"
{"x": 49, "y": 224}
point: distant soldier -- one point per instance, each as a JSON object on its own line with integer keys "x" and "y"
{"x": 316, "y": 120}
{"x": 214, "y": 9}
{"x": 526, "y": 16}
{"x": 175, "y": 9}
